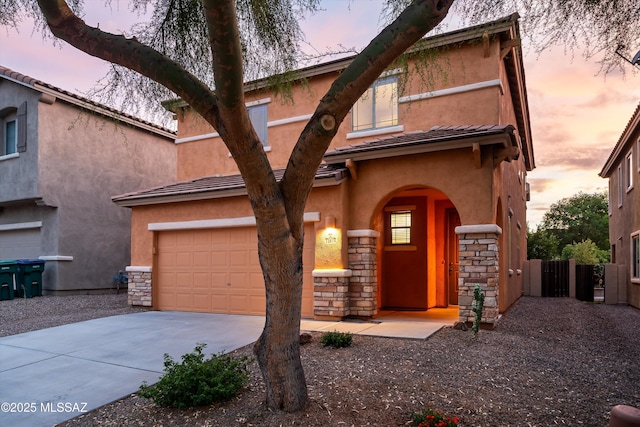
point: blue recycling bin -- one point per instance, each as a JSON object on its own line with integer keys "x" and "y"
{"x": 29, "y": 277}
{"x": 8, "y": 273}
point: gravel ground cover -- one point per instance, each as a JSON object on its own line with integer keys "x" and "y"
{"x": 548, "y": 362}
{"x": 30, "y": 314}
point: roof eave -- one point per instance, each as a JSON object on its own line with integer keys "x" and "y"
{"x": 129, "y": 201}
{"x": 504, "y": 138}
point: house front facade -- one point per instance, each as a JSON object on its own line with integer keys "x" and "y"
{"x": 622, "y": 169}
{"x": 62, "y": 159}
{"x": 421, "y": 195}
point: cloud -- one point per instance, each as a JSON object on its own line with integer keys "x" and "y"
{"x": 608, "y": 98}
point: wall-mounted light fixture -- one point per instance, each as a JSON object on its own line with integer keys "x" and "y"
{"x": 330, "y": 222}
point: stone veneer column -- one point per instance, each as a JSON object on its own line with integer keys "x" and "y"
{"x": 363, "y": 260}
{"x": 139, "y": 286}
{"x": 331, "y": 293}
{"x": 479, "y": 265}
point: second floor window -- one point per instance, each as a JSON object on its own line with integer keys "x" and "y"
{"x": 258, "y": 114}
{"x": 628, "y": 175}
{"x": 377, "y": 107}
{"x": 10, "y": 137}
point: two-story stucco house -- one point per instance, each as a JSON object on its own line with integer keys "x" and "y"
{"x": 62, "y": 158}
{"x": 421, "y": 195}
{"x": 622, "y": 168}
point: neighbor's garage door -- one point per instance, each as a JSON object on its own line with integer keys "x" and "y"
{"x": 17, "y": 244}
{"x": 217, "y": 271}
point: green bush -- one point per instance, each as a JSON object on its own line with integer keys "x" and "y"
{"x": 336, "y": 339}
{"x": 585, "y": 252}
{"x": 198, "y": 381}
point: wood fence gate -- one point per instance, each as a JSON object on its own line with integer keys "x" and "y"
{"x": 584, "y": 282}
{"x": 555, "y": 278}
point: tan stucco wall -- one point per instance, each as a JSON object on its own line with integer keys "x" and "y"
{"x": 451, "y": 69}
{"x": 379, "y": 180}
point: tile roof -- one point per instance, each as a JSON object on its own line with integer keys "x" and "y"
{"x": 437, "y": 134}
{"x": 86, "y": 103}
{"x": 211, "y": 187}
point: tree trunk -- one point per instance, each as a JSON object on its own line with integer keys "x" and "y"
{"x": 278, "y": 348}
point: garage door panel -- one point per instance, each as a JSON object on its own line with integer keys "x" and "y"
{"x": 201, "y": 281}
{"x": 184, "y": 301}
{"x": 218, "y": 271}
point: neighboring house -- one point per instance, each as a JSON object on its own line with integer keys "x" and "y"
{"x": 622, "y": 168}
{"x": 62, "y": 158}
{"x": 421, "y": 195}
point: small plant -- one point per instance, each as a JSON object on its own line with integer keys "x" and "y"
{"x": 432, "y": 418}
{"x": 478, "y": 305}
{"x": 198, "y": 381}
{"x": 336, "y": 339}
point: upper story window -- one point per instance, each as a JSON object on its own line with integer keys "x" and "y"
{"x": 258, "y": 114}
{"x": 377, "y": 107}
{"x": 13, "y": 130}
{"x": 10, "y": 136}
{"x": 628, "y": 171}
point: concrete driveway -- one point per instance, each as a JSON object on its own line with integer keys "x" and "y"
{"x": 52, "y": 375}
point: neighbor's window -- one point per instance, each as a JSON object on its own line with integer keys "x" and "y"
{"x": 377, "y": 107}
{"x": 620, "y": 186}
{"x": 10, "y": 137}
{"x": 628, "y": 171}
{"x": 401, "y": 227}
{"x": 258, "y": 114}
{"x": 635, "y": 256}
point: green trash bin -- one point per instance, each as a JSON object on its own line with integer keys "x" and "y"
{"x": 8, "y": 277}
{"x": 29, "y": 278}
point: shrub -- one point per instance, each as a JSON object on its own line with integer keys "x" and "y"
{"x": 432, "y": 418}
{"x": 198, "y": 381}
{"x": 336, "y": 339}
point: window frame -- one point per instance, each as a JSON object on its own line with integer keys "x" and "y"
{"x": 259, "y": 116}
{"x": 395, "y": 120}
{"x": 620, "y": 185}
{"x": 5, "y": 136}
{"x": 628, "y": 171}
{"x": 407, "y": 227}
{"x": 634, "y": 270}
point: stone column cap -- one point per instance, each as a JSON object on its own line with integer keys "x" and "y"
{"x": 363, "y": 233}
{"x": 478, "y": 229}
{"x": 138, "y": 268}
{"x": 332, "y": 272}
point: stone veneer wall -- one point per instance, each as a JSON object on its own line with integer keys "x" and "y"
{"x": 331, "y": 293}
{"x": 139, "y": 286}
{"x": 479, "y": 265}
{"x": 363, "y": 286}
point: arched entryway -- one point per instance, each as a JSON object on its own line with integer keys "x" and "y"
{"x": 418, "y": 253}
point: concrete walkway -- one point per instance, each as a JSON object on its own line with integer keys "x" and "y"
{"x": 52, "y": 375}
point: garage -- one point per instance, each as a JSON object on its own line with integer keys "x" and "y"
{"x": 216, "y": 270}
{"x": 20, "y": 243}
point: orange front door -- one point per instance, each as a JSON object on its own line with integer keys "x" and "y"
{"x": 404, "y": 255}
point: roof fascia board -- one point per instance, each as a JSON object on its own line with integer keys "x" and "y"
{"x": 144, "y": 200}
{"x": 382, "y": 153}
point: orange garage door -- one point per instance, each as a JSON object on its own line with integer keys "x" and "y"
{"x": 217, "y": 271}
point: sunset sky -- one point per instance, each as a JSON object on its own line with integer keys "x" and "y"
{"x": 577, "y": 114}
